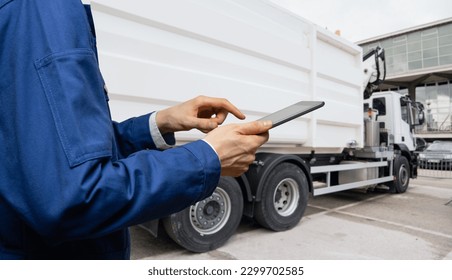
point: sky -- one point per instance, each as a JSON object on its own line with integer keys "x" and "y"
{"x": 363, "y": 19}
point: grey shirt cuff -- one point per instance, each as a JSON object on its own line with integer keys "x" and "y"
{"x": 157, "y": 137}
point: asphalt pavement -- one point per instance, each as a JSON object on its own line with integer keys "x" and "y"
{"x": 350, "y": 225}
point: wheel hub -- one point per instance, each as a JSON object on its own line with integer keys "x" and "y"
{"x": 403, "y": 175}
{"x": 286, "y": 197}
{"x": 211, "y": 214}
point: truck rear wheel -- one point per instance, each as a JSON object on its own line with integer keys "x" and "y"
{"x": 401, "y": 175}
{"x": 284, "y": 198}
{"x": 209, "y": 223}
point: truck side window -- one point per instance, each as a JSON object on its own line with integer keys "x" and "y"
{"x": 380, "y": 105}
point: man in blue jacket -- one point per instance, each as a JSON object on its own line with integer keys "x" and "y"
{"x": 71, "y": 180}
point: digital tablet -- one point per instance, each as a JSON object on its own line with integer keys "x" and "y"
{"x": 293, "y": 111}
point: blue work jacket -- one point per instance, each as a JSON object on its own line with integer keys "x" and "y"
{"x": 71, "y": 180}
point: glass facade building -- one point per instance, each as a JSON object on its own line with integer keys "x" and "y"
{"x": 419, "y": 62}
{"x": 416, "y": 50}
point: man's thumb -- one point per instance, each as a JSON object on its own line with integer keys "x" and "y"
{"x": 256, "y": 127}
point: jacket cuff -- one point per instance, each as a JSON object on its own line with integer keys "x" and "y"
{"x": 210, "y": 162}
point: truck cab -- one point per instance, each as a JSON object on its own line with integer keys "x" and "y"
{"x": 398, "y": 115}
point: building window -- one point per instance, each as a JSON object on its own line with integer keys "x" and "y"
{"x": 401, "y": 40}
{"x": 429, "y": 33}
{"x": 437, "y": 100}
{"x": 444, "y": 60}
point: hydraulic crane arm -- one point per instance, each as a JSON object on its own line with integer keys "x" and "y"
{"x": 374, "y": 70}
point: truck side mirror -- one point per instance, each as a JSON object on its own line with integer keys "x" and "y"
{"x": 419, "y": 113}
{"x": 421, "y": 118}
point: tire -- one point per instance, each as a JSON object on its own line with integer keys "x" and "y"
{"x": 209, "y": 223}
{"x": 284, "y": 198}
{"x": 401, "y": 175}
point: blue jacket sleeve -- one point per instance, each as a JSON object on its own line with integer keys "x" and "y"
{"x": 101, "y": 196}
{"x": 133, "y": 135}
{"x": 62, "y": 173}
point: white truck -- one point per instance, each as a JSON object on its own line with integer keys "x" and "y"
{"x": 155, "y": 54}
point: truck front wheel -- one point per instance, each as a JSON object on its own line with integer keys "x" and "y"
{"x": 284, "y": 198}
{"x": 401, "y": 175}
{"x": 209, "y": 223}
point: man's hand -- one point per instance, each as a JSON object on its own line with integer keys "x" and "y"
{"x": 236, "y": 145}
{"x": 203, "y": 113}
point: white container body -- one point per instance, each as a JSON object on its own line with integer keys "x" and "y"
{"x": 154, "y": 54}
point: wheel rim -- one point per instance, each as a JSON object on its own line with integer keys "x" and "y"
{"x": 403, "y": 175}
{"x": 285, "y": 197}
{"x": 211, "y": 214}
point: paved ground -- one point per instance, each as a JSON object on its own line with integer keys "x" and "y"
{"x": 347, "y": 225}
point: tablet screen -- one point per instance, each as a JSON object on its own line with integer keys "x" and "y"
{"x": 293, "y": 111}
